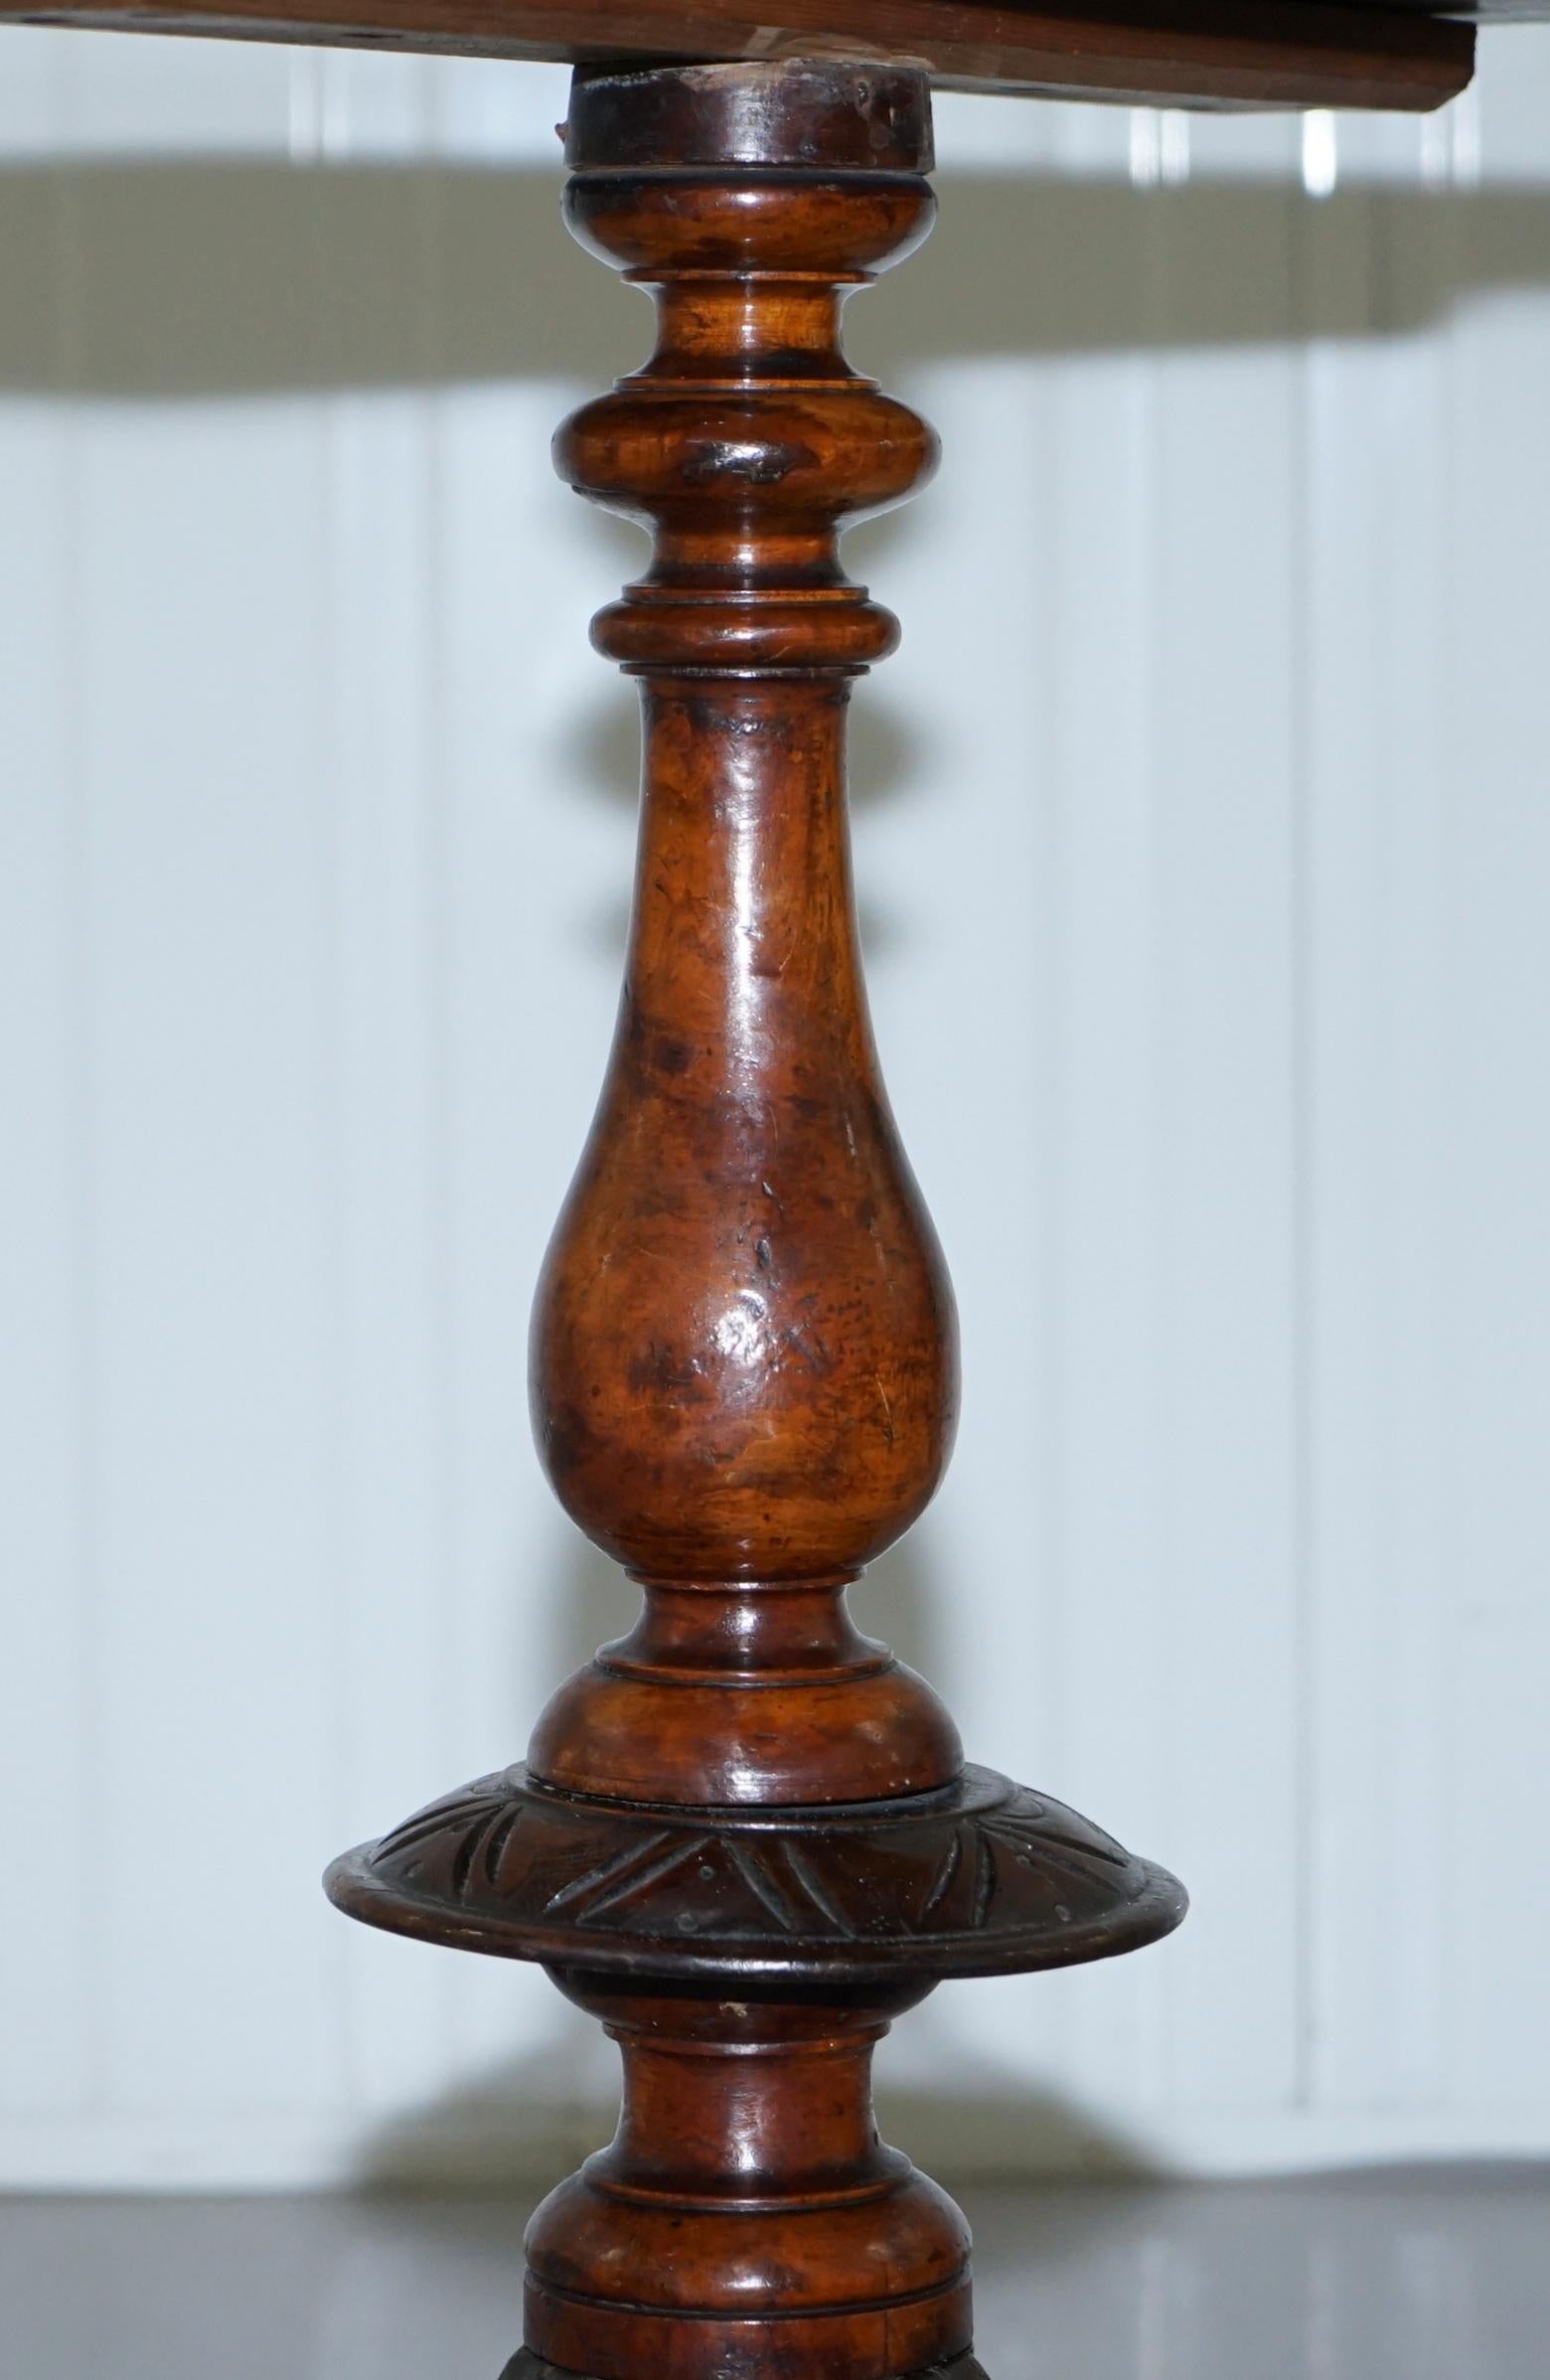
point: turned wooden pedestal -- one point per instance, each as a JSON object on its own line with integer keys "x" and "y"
{"x": 745, "y": 1839}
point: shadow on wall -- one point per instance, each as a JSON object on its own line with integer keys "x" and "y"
{"x": 207, "y": 279}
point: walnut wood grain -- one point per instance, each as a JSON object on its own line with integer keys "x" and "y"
{"x": 744, "y": 1356}
{"x": 744, "y": 1838}
{"x": 1284, "y": 53}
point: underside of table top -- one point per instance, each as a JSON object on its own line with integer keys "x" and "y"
{"x": 1232, "y": 53}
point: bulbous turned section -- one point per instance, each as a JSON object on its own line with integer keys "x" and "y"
{"x": 744, "y": 1366}
{"x": 743, "y": 1359}
{"x": 744, "y": 1694}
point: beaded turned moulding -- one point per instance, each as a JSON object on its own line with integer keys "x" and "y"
{"x": 744, "y": 1836}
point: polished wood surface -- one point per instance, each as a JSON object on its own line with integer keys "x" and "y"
{"x": 744, "y": 1836}
{"x": 1207, "y": 53}
{"x": 744, "y": 1356}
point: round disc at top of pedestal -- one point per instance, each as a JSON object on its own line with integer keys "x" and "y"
{"x": 984, "y": 1877}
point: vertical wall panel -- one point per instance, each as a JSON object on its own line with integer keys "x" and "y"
{"x": 1376, "y": 1186}
{"x": 1498, "y": 1134}
{"x": 390, "y": 1226}
{"x": 48, "y": 1707}
{"x": 1104, "y": 1738}
{"x": 1224, "y": 1279}
{"x": 201, "y": 918}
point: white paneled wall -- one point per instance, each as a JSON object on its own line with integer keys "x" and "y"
{"x": 1204, "y": 849}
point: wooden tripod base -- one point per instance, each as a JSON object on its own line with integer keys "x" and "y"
{"x": 745, "y": 1838}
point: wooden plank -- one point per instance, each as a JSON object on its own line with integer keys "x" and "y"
{"x": 1201, "y": 53}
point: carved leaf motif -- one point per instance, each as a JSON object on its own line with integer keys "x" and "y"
{"x": 944, "y": 1877}
{"x": 621, "y": 1878}
{"x": 992, "y": 1862}
{"x": 823, "y": 1900}
{"x": 432, "y": 1825}
{"x": 984, "y": 1876}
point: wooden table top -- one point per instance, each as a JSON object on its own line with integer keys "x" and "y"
{"x": 1287, "y": 54}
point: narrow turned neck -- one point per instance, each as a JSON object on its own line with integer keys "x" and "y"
{"x": 746, "y": 2120}
{"x": 744, "y": 983}
{"x": 748, "y": 1630}
{"x": 718, "y": 331}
